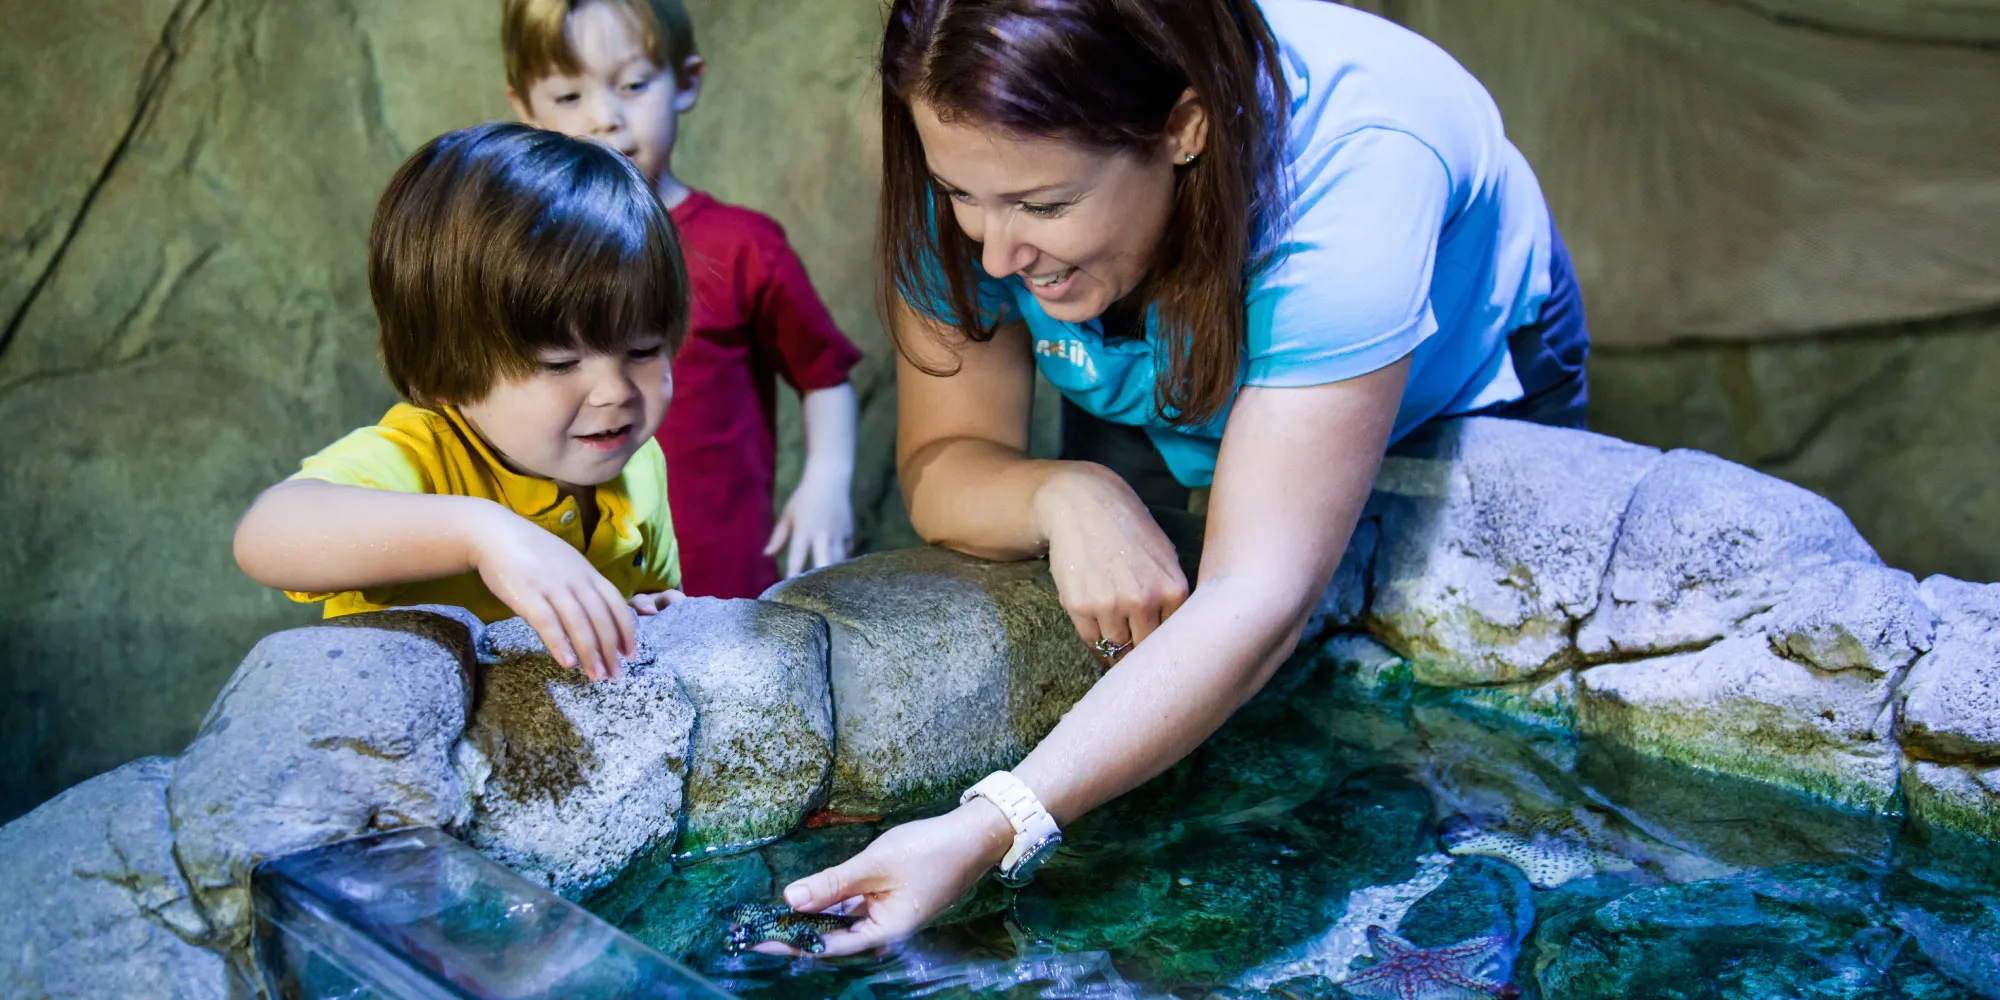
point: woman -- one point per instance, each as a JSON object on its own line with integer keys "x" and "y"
{"x": 1252, "y": 245}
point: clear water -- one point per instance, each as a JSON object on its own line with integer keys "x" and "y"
{"x": 1331, "y": 802}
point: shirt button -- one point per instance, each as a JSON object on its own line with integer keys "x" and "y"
{"x": 569, "y": 517}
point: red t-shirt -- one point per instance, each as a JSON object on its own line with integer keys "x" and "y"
{"x": 755, "y": 317}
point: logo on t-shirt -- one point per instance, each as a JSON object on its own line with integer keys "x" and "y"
{"x": 1071, "y": 351}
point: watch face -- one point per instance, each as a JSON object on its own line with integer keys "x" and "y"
{"x": 1031, "y": 859}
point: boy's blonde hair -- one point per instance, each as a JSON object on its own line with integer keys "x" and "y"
{"x": 534, "y": 44}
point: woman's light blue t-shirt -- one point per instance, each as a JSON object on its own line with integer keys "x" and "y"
{"x": 1416, "y": 228}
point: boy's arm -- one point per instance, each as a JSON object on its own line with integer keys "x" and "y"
{"x": 313, "y": 536}
{"x": 309, "y": 535}
{"x": 817, "y": 523}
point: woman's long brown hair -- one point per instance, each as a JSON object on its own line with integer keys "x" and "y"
{"x": 1104, "y": 74}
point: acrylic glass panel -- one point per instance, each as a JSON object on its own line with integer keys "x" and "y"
{"x": 416, "y": 915}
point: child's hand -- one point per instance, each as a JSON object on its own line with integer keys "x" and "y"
{"x": 817, "y": 523}
{"x": 653, "y": 604}
{"x": 581, "y": 617}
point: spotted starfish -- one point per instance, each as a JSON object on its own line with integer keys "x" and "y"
{"x": 1404, "y": 971}
{"x": 1371, "y": 908}
{"x": 1557, "y": 849}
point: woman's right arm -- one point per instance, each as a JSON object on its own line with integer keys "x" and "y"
{"x": 962, "y": 457}
{"x": 317, "y": 537}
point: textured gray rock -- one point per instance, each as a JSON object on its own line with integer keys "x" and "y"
{"x": 1739, "y": 708}
{"x": 579, "y": 783}
{"x": 1951, "y": 712}
{"x": 324, "y": 732}
{"x": 1704, "y": 546}
{"x": 1495, "y": 538}
{"x": 98, "y": 907}
{"x": 1951, "y": 700}
{"x": 1851, "y": 616}
{"x": 944, "y": 667}
{"x": 762, "y": 756}
{"x": 1964, "y": 797}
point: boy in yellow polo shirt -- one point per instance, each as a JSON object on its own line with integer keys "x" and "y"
{"x": 531, "y": 293}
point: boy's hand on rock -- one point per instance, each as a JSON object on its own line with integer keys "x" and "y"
{"x": 581, "y": 617}
{"x": 653, "y": 604}
{"x": 816, "y": 527}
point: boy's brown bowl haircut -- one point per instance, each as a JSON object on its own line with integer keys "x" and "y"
{"x": 496, "y": 242}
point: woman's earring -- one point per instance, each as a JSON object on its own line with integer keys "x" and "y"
{"x": 1187, "y": 158}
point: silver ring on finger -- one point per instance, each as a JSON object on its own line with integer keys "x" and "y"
{"x": 1110, "y": 650}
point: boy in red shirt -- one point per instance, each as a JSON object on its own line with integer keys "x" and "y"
{"x": 622, "y": 72}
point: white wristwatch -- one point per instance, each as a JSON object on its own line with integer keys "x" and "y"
{"x": 1035, "y": 834}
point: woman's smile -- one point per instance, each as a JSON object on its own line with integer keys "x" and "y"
{"x": 1076, "y": 225}
{"x": 1052, "y": 284}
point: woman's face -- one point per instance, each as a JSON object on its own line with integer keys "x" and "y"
{"x": 1079, "y": 226}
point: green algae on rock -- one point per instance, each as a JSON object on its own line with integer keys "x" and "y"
{"x": 762, "y": 753}
{"x": 945, "y": 668}
{"x": 584, "y": 780}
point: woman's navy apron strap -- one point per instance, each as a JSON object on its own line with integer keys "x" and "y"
{"x": 1549, "y": 354}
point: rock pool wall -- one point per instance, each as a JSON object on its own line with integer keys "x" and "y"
{"x": 1672, "y": 604}
{"x": 1683, "y": 606}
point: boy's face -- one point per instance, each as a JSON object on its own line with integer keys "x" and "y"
{"x": 581, "y": 415}
{"x": 619, "y": 97}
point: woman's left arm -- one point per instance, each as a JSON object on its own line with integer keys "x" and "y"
{"x": 1277, "y": 527}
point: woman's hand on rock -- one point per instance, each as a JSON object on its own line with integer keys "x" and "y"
{"x": 906, "y": 877}
{"x": 1115, "y": 570}
{"x": 582, "y": 619}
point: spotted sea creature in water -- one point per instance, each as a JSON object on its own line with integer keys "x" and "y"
{"x": 1403, "y": 971}
{"x": 1328, "y": 955}
{"x": 1553, "y": 850}
{"x": 752, "y": 924}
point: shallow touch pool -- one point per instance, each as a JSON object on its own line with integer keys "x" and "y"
{"x": 1490, "y": 857}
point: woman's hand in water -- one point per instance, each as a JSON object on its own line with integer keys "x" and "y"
{"x": 1115, "y": 571}
{"x": 906, "y": 877}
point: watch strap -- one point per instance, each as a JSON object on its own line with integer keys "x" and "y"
{"x": 1031, "y": 822}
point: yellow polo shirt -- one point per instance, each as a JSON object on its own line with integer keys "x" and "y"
{"x": 414, "y": 450}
